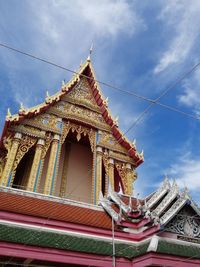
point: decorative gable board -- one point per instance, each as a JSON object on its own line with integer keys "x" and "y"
{"x": 186, "y": 223}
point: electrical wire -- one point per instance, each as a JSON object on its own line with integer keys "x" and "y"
{"x": 156, "y": 101}
{"x": 169, "y": 88}
{"x": 153, "y": 102}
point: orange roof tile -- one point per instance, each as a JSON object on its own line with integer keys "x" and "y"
{"x": 52, "y": 210}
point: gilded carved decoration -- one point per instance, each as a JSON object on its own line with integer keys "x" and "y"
{"x": 107, "y": 140}
{"x": 105, "y": 161}
{"x": 52, "y": 167}
{"x": 46, "y": 122}
{"x": 98, "y": 187}
{"x": 2, "y": 164}
{"x": 131, "y": 176}
{"x": 65, "y": 130}
{"x": 64, "y": 173}
{"x": 44, "y": 151}
{"x": 47, "y": 143}
{"x": 31, "y": 131}
{"x": 93, "y": 169}
{"x": 70, "y": 111}
{"x": 25, "y": 144}
{"x": 80, "y": 130}
{"x": 82, "y": 95}
{"x": 127, "y": 175}
{"x": 121, "y": 157}
{"x": 34, "y": 175}
{"x": 6, "y": 176}
{"x": 121, "y": 168}
{"x": 92, "y": 139}
{"x": 7, "y": 141}
{"x": 106, "y": 166}
{"x": 111, "y": 173}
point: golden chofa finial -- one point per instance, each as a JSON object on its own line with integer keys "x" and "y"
{"x": 116, "y": 120}
{"x": 81, "y": 63}
{"x": 47, "y": 98}
{"x": 8, "y": 114}
{"x": 21, "y": 108}
{"x": 134, "y": 143}
{"x": 142, "y": 154}
{"x": 63, "y": 83}
{"x": 91, "y": 50}
{"x": 106, "y": 101}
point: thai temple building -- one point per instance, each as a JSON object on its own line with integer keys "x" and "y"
{"x": 67, "y": 175}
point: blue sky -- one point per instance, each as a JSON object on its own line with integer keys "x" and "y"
{"x": 139, "y": 46}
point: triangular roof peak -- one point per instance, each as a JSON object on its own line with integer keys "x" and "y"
{"x": 86, "y": 70}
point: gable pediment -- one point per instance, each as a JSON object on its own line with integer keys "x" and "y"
{"x": 186, "y": 223}
{"x": 80, "y": 100}
{"x": 82, "y": 95}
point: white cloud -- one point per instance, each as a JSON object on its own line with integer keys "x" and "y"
{"x": 187, "y": 172}
{"x": 105, "y": 17}
{"x": 62, "y": 31}
{"x": 190, "y": 96}
{"x": 181, "y": 20}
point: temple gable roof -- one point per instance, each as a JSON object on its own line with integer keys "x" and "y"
{"x": 84, "y": 91}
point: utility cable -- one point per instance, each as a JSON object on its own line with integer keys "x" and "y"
{"x": 104, "y": 83}
{"x": 169, "y": 88}
{"x": 138, "y": 96}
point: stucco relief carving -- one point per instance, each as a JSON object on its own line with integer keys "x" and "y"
{"x": 184, "y": 224}
{"x": 159, "y": 193}
{"x": 167, "y": 199}
{"x": 178, "y": 204}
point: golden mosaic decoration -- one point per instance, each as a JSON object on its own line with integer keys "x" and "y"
{"x": 31, "y": 131}
{"x": 46, "y": 122}
{"x": 82, "y": 95}
{"x": 74, "y": 112}
{"x": 107, "y": 140}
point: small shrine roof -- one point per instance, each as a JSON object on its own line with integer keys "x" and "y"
{"x": 153, "y": 212}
